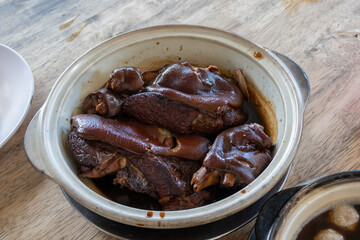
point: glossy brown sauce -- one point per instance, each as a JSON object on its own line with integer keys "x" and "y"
{"x": 139, "y": 138}
{"x": 320, "y": 222}
{"x": 257, "y": 55}
{"x": 149, "y": 214}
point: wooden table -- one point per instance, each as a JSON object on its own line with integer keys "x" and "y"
{"x": 322, "y": 36}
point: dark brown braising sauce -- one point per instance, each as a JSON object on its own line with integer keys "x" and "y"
{"x": 320, "y": 222}
{"x": 149, "y": 214}
{"x": 258, "y": 55}
{"x": 130, "y": 198}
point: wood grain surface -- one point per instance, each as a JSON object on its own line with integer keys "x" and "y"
{"x": 321, "y": 36}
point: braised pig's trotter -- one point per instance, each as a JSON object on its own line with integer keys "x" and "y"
{"x": 161, "y": 177}
{"x": 132, "y": 178}
{"x": 96, "y": 159}
{"x": 197, "y": 87}
{"x": 139, "y": 138}
{"x": 125, "y": 80}
{"x": 103, "y": 102}
{"x": 237, "y": 157}
{"x": 187, "y": 99}
{"x": 154, "y": 108}
{"x": 166, "y": 179}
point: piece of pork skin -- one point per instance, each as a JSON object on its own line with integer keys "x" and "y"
{"x": 237, "y": 157}
{"x": 187, "y": 99}
{"x": 138, "y": 137}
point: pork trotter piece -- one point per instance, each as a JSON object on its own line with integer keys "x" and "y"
{"x": 187, "y": 99}
{"x": 132, "y": 178}
{"x": 163, "y": 176}
{"x": 149, "y": 106}
{"x": 96, "y": 159}
{"x": 237, "y": 157}
{"x": 125, "y": 80}
{"x": 103, "y": 102}
{"x": 139, "y": 138}
{"x": 166, "y": 179}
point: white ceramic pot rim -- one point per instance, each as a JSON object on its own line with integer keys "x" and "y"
{"x": 45, "y": 158}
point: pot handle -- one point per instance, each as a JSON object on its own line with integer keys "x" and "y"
{"x": 34, "y": 145}
{"x": 300, "y": 76}
{"x": 271, "y": 210}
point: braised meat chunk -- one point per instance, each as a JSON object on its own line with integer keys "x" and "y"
{"x": 166, "y": 179}
{"x": 125, "y": 80}
{"x": 155, "y": 108}
{"x": 108, "y": 101}
{"x": 96, "y": 159}
{"x": 237, "y": 157}
{"x": 164, "y": 176}
{"x": 103, "y": 102}
{"x": 139, "y": 138}
{"x": 132, "y": 178}
{"x": 187, "y": 99}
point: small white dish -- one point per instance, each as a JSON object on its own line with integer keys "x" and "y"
{"x": 16, "y": 91}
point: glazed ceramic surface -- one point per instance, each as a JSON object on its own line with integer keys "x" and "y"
{"x": 16, "y": 91}
{"x": 279, "y": 79}
{"x": 313, "y": 199}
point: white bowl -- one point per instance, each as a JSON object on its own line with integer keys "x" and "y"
{"x": 16, "y": 91}
{"x": 286, "y": 212}
{"x": 279, "y": 79}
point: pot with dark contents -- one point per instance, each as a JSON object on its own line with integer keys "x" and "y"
{"x": 283, "y": 91}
